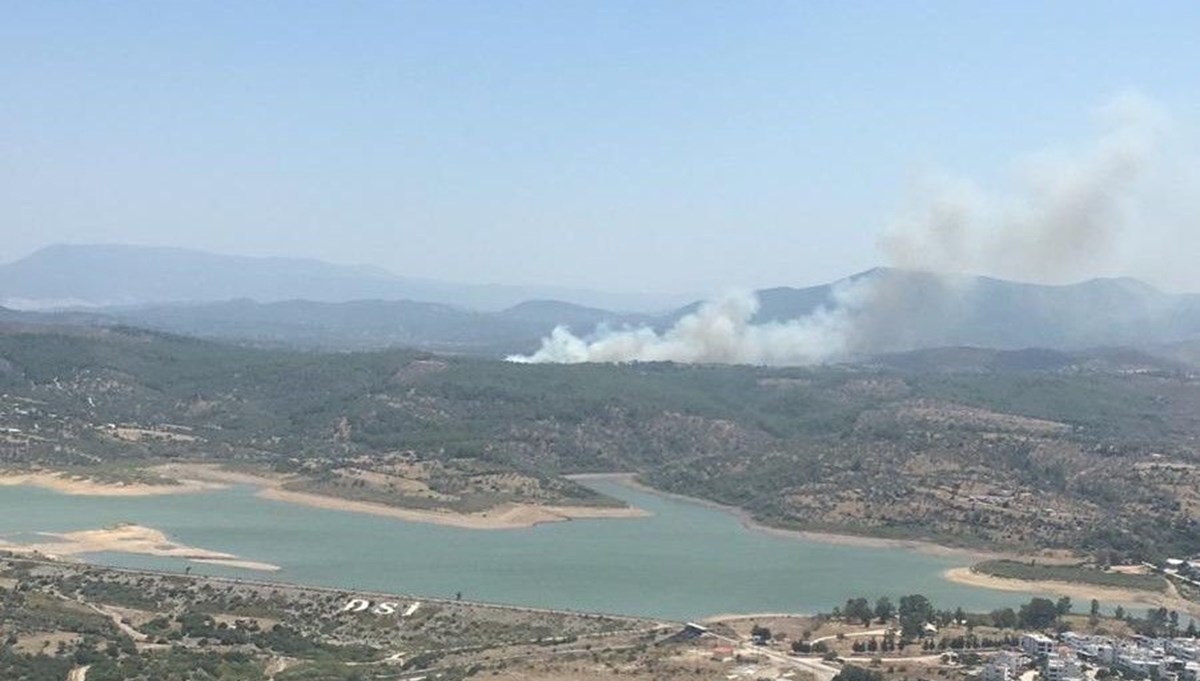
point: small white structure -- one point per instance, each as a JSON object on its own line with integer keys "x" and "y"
{"x": 1061, "y": 668}
{"x": 1037, "y": 644}
{"x": 1136, "y": 662}
{"x": 1106, "y": 653}
{"x": 1002, "y": 667}
{"x": 1186, "y": 649}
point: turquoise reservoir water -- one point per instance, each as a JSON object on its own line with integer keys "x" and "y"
{"x": 686, "y": 561}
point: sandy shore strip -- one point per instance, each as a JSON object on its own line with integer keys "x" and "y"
{"x": 748, "y": 521}
{"x": 84, "y": 486}
{"x": 1077, "y": 591}
{"x": 238, "y": 563}
{"x": 130, "y": 538}
{"x": 214, "y": 473}
{"x": 508, "y": 516}
{"x": 741, "y": 617}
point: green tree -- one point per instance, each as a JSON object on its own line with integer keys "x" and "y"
{"x": 915, "y": 611}
{"x": 1038, "y": 613}
{"x": 1004, "y": 618}
{"x": 884, "y": 609}
{"x": 1063, "y": 606}
{"x": 1155, "y": 622}
{"x": 853, "y": 673}
{"x": 858, "y": 609}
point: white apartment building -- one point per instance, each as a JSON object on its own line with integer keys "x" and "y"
{"x": 1037, "y": 644}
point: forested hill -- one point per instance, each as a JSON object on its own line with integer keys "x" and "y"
{"x": 1094, "y": 450}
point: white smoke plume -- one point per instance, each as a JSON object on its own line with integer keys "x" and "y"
{"x": 1062, "y": 216}
{"x": 719, "y": 332}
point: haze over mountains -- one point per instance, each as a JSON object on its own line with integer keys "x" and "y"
{"x": 65, "y": 275}
{"x": 313, "y": 304}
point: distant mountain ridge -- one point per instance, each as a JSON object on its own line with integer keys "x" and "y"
{"x": 368, "y": 324}
{"x": 905, "y": 310}
{"x": 65, "y": 275}
{"x": 912, "y": 310}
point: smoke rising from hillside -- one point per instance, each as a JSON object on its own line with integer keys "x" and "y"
{"x": 721, "y": 331}
{"x": 1061, "y": 218}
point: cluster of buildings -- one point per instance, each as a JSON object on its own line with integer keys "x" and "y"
{"x": 1072, "y": 655}
{"x": 21, "y": 416}
{"x": 1166, "y": 659}
{"x": 1183, "y": 569}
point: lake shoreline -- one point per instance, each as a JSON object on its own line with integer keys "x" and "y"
{"x": 133, "y": 539}
{"x": 64, "y": 482}
{"x": 1077, "y": 590}
{"x": 750, "y": 523}
{"x": 195, "y": 477}
{"x": 353, "y": 551}
{"x": 504, "y": 517}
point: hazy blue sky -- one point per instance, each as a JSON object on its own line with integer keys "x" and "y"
{"x": 672, "y": 146}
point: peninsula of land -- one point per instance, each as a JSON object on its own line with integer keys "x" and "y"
{"x": 187, "y": 478}
{"x": 129, "y": 538}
